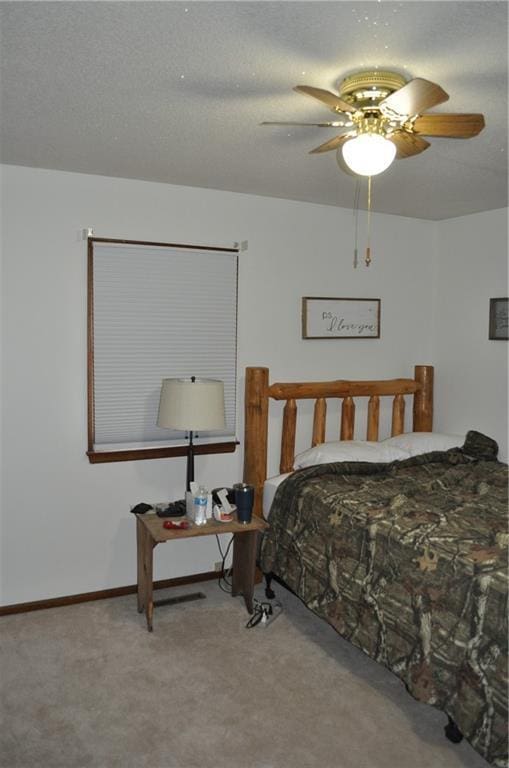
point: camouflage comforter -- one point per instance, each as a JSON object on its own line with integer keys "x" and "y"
{"x": 408, "y": 561}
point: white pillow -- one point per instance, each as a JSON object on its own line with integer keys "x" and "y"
{"x": 349, "y": 450}
{"x": 416, "y": 443}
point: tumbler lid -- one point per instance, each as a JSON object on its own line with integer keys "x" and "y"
{"x": 244, "y": 487}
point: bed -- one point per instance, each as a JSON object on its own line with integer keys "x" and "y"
{"x": 407, "y": 559}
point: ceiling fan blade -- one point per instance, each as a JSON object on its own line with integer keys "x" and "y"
{"x": 414, "y": 97}
{"x": 461, "y": 126}
{"x": 334, "y": 143}
{"x": 326, "y": 97}
{"x": 408, "y": 144}
{"x": 332, "y": 124}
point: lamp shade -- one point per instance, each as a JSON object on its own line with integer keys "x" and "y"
{"x": 368, "y": 154}
{"x": 191, "y": 405}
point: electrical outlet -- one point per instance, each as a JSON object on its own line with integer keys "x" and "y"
{"x": 218, "y": 566}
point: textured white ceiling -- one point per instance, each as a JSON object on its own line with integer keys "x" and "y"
{"x": 175, "y": 91}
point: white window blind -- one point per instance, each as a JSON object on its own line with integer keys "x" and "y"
{"x": 158, "y": 312}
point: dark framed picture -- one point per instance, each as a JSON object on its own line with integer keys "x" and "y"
{"x": 499, "y": 330}
{"x": 337, "y": 318}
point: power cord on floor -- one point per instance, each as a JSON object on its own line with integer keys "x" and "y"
{"x": 264, "y": 613}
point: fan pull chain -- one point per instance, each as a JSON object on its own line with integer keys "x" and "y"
{"x": 356, "y": 222}
{"x": 367, "y": 260}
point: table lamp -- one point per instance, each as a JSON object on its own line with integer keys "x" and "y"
{"x": 191, "y": 405}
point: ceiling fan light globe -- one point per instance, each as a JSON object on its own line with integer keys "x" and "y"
{"x": 368, "y": 154}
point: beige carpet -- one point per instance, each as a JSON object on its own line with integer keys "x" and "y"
{"x": 87, "y": 685}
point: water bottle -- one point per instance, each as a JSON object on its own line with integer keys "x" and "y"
{"x": 200, "y": 506}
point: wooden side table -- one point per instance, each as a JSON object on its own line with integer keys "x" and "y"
{"x": 150, "y": 532}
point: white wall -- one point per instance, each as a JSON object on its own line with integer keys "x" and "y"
{"x": 66, "y": 527}
{"x": 471, "y": 370}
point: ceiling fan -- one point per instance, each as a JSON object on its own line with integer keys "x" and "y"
{"x": 383, "y": 117}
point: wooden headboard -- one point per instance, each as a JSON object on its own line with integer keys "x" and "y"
{"x": 258, "y": 391}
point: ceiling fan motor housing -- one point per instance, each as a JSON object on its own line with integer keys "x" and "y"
{"x": 365, "y": 90}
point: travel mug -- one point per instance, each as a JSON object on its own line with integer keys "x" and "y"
{"x": 244, "y": 499}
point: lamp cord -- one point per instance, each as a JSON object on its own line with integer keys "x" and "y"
{"x": 224, "y": 580}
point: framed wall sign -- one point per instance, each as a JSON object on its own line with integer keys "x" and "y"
{"x": 335, "y": 318}
{"x": 499, "y": 328}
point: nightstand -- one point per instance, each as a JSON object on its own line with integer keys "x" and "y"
{"x": 150, "y": 532}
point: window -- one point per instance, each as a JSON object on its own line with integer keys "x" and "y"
{"x": 156, "y": 311}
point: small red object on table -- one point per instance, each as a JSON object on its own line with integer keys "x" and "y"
{"x": 176, "y": 524}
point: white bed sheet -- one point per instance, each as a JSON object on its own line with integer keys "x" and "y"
{"x": 270, "y": 487}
